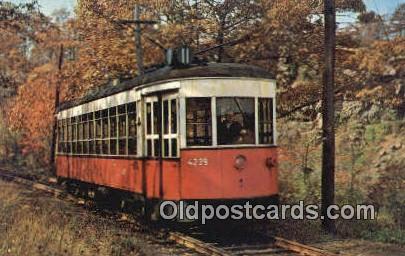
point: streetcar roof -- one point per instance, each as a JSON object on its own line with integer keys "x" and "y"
{"x": 171, "y": 73}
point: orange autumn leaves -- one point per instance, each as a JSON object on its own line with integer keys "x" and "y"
{"x": 32, "y": 109}
{"x": 282, "y": 40}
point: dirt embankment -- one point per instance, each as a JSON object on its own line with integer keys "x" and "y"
{"x": 32, "y": 223}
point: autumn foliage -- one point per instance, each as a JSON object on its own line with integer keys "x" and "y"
{"x": 380, "y": 70}
{"x": 32, "y": 109}
{"x": 284, "y": 37}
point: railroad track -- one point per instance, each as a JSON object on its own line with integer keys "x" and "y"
{"x": 195, "y": 240}
{"x": 261, "y": 246}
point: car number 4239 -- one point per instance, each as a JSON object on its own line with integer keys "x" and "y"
{"x": 200, "y": 161}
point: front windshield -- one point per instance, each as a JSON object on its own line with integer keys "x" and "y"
{"x": 235, "y": 121}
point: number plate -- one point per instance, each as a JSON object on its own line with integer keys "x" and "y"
{"x": 199, "y": 161}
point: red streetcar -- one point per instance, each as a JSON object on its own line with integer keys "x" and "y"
{"x": 200, "y": 132}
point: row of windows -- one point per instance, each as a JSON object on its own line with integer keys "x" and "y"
{"x": 110, "y": 131}
{"x": 235, "y": 118}
{"x": 113, "y": 131}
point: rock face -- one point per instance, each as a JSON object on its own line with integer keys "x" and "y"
{"x": 372, "y": 113}
{"x": 382, "y": 153}
{"x": 351, "y": 108}
{"x": 6, "y": 93}
{"x": 392, "y": 150}
{"x": 390, "y": 71}
{"x": 318, "y": 121}
{"x": 400, "y": 89}
{"x": 396, "y": 146}
{"x": 365, "y": 111}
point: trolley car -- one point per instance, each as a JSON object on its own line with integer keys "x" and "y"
{"x": 201, "y": 132}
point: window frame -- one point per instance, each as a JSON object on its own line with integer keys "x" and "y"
{"x": 135, "y": 137}
{"x": 170, "y": 135}
{"x": 121, "y": 137}
{"x": 214, "y": 143}
{"x": 150, "y": 136}
{"x": 255, "y": 118}
{"x": 140, "y": 140}
{"x": 213, "y": 122}
{"x": 94, "y": 143}
{"x": 113, "y": 119}
{"x": 271, "y": 121}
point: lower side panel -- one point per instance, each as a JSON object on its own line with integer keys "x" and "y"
{"x": 135, "y": 175}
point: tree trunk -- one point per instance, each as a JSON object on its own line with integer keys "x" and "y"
{"x": 55, "y": 119}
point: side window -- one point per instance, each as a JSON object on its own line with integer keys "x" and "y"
{"x": 98, "y": 132}
{"x": 64, "y": 123}
{"x": 132, "y": 128}
{"x": 85, "y": 120}
{"x": 149, "y": 118}
{"x": 68, "y": 144}
{"x": 198, "y": 122}
{"x": 90, "y": 117}
{"x": 79, "y": 135}
{"x": 265, "y": 121}
{"x": 104, "y": 132}
{"x": 156, "y": 119}
{"x": 74, "y": 134}
{"x": 169, "y": 128}
{"x": 166, "y": 117}
{"x": 60, "y": 138}
{"x": 122, "y": 129}
{"x": 152, "y": 128}
{"x": 113, "y": 130}
{"x": 173, "y": 127}
{"x": 235, "y": 120}
{"x": 173, "y": 115}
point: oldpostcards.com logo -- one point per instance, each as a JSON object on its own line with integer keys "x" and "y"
{"x": 170, "y": 210}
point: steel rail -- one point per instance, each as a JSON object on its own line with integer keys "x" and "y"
{"x": 197, "y": 245}
{"x": 278, "y": 246}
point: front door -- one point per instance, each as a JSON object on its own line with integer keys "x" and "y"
{"x": 160, "y": 133}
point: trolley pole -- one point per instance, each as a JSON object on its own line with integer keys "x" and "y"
{"x": 328, "y": 116}
{"x": 55, "y": 120}
{"x": 138, "y": 41}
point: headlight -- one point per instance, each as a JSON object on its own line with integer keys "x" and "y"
{"x": 240, "y": 162}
